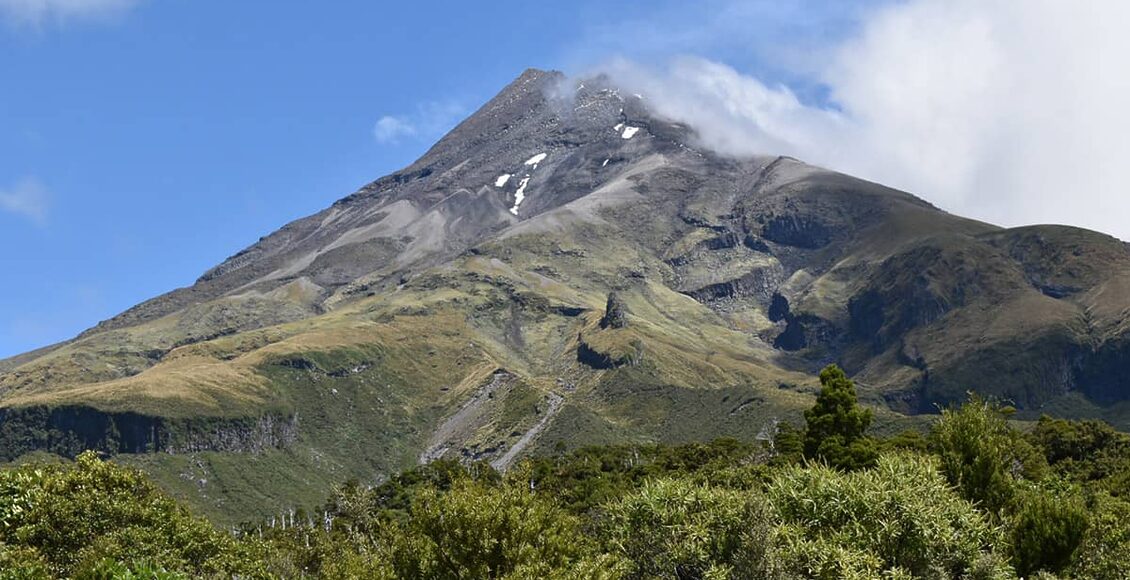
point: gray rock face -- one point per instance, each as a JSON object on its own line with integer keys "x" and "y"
{"x": 615, "y": 312}
{"x": 536, "y": 146}
{"x": 819, "y": 266}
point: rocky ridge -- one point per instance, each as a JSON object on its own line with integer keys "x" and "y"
{"x": 626, "y": 282}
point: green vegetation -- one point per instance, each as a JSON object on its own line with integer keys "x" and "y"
{"x": 837, "y": 426}
{"x": 898, "y": 518}
{"x": 976, "y": 498}
{"x": 93, "y": 519}
{"x": 982, "y": 456}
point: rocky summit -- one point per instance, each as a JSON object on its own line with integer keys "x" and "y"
{"x": 567, "y": 268}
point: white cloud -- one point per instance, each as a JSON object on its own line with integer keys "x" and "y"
{"x": 1006, "y": 110}
{"x": 430, "y": 120}
{"x": 28, "y": 198}
{"x": 36, "y": 12}
{"x": 390, "y": 129}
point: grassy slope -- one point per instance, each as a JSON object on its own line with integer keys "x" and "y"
{"x": 370, "y": 380}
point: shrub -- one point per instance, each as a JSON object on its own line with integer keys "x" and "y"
{"x": 788, "y": 444}
{"x": 1104, "y": 551}
{"x": 477, "y": 531}
{"x": 674, "y": 528}
{"x": 77, "y": 516}
{"x": 981, "y": 455}
{"x": 900, "y": 517}
{"x": 1046, "y": 528}
{"x": 22, "y": 563}
{"x": 111, "y": 570}
{"x": 1085, "y": 451}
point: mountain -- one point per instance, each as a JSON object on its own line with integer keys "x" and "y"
{"x": 567, "y": 268}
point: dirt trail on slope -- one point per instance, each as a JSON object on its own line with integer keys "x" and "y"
{"x": 555, "y": 402}
{"x": 463, "y": 419}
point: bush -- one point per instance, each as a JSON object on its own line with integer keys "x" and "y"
{"x": 900, "y": 518}
{"x": 588, "y": 477}
{"x": 22, "y": 563}
{"x": 981, "y": 455}
{"x": 111, "y": 570}
{"x": 477, "y": 531}
{"x": 674, "y": 528}
{"x": 1104, "y": 551}
{"x": 75, "y": 517}
{"x": 1046, "y": 528}
{"x": 788, "y": 444}
{"x": 1089, "y": 452}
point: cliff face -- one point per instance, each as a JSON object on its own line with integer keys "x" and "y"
{"x": 70, "y": 430}
{"x": 628, "y": 284}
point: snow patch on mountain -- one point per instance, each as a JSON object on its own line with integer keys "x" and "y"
{"x": 520, "y": 195}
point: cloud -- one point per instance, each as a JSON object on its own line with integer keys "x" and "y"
{"x": 1011, "y": 111}
{"x": 37, "y": 12}
{"x": 390, "y": 129}
{"x": 429, "y": 121}
{"x": 28, "y": 198}
{"x": 733, "y": 113}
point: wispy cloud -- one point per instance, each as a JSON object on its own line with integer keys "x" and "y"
{"x": 38, "y": 12}
{"x": 390, "y": 129}
{"x": 28, "y": 198}
{"x": 428, "y": 121}
{"x": 1011, "y": 111}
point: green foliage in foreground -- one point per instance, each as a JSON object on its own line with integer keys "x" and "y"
{"x": 899, "y": 518}
{"x": 94, "y": 519}
{"x": 982, "y": 456}
{"x": 974, "y": 499}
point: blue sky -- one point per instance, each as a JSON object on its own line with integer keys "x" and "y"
{"x": 143, "y": 141}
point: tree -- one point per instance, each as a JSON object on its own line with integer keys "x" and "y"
{"x": 837, "y": 425}
{"x": 788, "y": 443}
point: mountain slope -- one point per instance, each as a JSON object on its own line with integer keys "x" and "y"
{"x": 458, "y": 308}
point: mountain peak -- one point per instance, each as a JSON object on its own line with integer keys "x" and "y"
{"x": 471, "y": 285}
{"x": 533, "y": 73}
